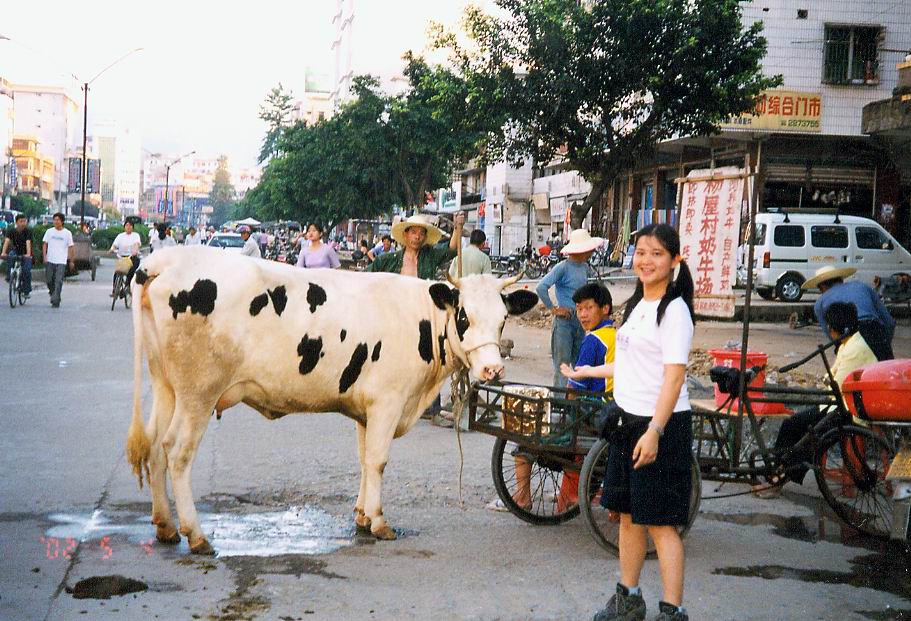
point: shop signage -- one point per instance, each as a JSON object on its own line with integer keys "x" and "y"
{"x": 496, "y": 212}
{"x": 779, "y": 110}
{"x": 557, "y": 209}
{"x": 709, "y": 227}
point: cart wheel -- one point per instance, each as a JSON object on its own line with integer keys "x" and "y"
{"x": 544, "y": 485}
{"x": 603, "y": 524}
{"x": 851, "y": 467}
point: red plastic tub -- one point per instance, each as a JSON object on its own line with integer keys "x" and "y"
{"x": 731, "y": 358}
{"x": 880, "y": 392}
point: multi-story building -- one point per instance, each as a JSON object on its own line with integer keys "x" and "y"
{"x": 118, "y": 148}
{"x": 313, "y": 107}
{"x": 51, "y": 115}
{"x": 6, "y": 138}
{"x": 34, "y": 169}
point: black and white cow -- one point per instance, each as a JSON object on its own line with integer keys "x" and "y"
{"x": 219, "y": 329}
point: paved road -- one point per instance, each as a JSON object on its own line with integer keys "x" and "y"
{"x": 277, "y": 496}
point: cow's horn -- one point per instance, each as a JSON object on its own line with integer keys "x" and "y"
{"x": 452, "y": 280}
{"x": 505, "y": 282}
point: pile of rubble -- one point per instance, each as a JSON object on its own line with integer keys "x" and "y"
{"x": 538, "y": 317}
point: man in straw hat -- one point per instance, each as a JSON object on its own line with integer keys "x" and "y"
{"x": 567, "y": 334}
{"x": 420, "y": 257}
{"x": 875, "y": 323}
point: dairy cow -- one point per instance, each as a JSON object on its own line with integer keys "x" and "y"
{"x": 219, "y": 329}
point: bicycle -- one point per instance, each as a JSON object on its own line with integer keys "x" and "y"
{"x": 121, "y": 290}
{"x": 17, "y": 292}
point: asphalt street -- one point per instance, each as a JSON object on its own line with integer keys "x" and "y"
{"x": 277, "y": 498}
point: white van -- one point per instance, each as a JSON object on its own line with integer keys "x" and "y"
{"x": 791, "y": 246}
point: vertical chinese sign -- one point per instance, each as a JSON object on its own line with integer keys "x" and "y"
{"x": 709, "y": 232}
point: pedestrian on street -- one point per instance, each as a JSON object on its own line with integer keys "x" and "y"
{"x": 649, "y": 463}
{"x": 566, "y": 277}
{"x": 420, "y": 257}
{"x": 193, "y": 238}
{"x": 381, "y": 248}
{"x": 251, "y": 247}
{"x": 317, "y": 254}
{"x": 160, "y": 238}
{"x": 875, "y": 322}
{"x": 18, "y": 243}
{"x": 474, "y": 260}
{"x": 58, "y": 249}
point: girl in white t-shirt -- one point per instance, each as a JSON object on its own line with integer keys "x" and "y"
{"x": 648, "y": 477}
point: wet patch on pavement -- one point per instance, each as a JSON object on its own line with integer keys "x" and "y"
{"x": 104, "y": 587}
{"x": 888, "y": 572}
{"x": 805, "y": 528}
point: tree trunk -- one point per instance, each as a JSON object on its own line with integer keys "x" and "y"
{"x": 577, "y": 215}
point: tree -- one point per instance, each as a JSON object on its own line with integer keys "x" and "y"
{"x": 276, "y": 112}
{"x": 31, "y": 206}
{"x": 602, "y": 82}
{"x": 91, "y": 210}
{"x": 221, "y": 198}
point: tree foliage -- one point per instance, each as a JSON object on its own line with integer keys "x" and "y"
{"x": 377, "y": 151}
{"x": 602, "y": 82}
{"x": 276, "y": 112}
{"x": 222, "y": 196}
{"x": 31, "y": 206}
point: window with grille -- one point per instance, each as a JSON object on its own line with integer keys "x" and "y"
{"x": 850, "y": 55}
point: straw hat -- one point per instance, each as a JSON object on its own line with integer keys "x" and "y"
{"x": 827, "y": 272}
{"x": 580, "y": 241}
{"x": 433, "y": 233}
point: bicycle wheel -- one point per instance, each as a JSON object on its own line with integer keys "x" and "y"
{"x": 13, "y": 287}
{"x": 22, "y": 296}
{"x": 544, "y": 480}
{"x": 851, "y": 467}
{"x": 127, "y": 294}
{"x": 604, "y": 525}
{"x": 118, "y": 283}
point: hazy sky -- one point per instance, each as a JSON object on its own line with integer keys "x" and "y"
{"x": 206, "y": 66}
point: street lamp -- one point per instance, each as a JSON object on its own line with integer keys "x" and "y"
{"x": 167, "y": 176}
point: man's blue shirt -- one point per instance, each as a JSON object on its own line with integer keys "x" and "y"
{"x": 566, "y": 277}
{"x": 869, "y": 306}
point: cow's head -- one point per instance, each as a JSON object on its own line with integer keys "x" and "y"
{"x": 478, "y": 311}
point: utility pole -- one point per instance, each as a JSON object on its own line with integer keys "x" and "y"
{"x": 85, "y": 158}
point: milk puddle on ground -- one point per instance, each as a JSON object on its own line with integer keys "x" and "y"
{"x": 298, "y": 530}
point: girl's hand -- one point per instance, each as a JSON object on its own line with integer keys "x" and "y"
{"x": 574, "y": 373}
{"x": 646, "y": 449}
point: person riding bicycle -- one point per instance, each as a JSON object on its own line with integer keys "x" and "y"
{"x": 852, "y": 352}
{"x": 126, "y": 245}
{"x": 18, "y": 243}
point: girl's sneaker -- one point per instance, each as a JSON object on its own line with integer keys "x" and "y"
{"x": 669, "y": 612}
{"x": 622, "y": 607}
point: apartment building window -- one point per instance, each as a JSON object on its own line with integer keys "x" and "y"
{"x": 850, "y": 55}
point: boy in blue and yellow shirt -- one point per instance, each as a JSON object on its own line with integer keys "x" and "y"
{"x": 593, "y": 308}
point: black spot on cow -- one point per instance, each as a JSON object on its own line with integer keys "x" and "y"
{"x": 442, "y": 295}
{"x": 279, "y": 299}
{"x": 141, "y": 277}
{"x": 200, "y": 299}
{"x": 520, "y": 301}
{"x": 342, "y": 336}
{"x": 425, "y": 344}
{"x": 258, "y": 303}
{"x": 310, "y": 351}
{"x": 442, "y": 341}
{"x": 462, "y": 323}
{"x": 316, "y": 296}
{"x": 376, "y": 351}
{"x": 353, "y": 370}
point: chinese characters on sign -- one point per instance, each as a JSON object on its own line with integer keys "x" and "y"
{"x": 781, "y": 111}
{"x": 709, "y": 230}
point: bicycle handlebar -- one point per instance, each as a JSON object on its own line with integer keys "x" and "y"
{"x": 819, "y": 350}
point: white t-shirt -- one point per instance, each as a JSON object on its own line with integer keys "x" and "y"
{"x": 643, "y": 348}
{"x": 124, "y": 243}
{"x": 157, "y": 243}
{"x": 58, "y": 243}
{"x": 193, "y": 240}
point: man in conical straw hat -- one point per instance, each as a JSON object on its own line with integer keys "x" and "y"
{"x": 419, "y": 257}
{"x": 567, "y": 334}
{"x": 875, "y": 322}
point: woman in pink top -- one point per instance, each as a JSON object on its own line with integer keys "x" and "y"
{"x": 316, "y": 253}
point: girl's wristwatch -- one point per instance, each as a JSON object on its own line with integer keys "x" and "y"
{"x": 658, "y": 428}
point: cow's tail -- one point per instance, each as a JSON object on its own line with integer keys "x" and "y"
{"x": 138, "y": 446}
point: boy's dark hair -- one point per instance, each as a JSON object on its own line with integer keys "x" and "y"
{"x": 21, "y": 216}
{"x": 596, "y": 292}
{"x": 841, "y": 317}
{"x": 385, "y": 237}
{"x": 59, "y": 215}
{"x": 477, "y": 237}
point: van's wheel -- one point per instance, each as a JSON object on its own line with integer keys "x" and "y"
{"x": 788, "y": 288}
{"x": 766, "y": 293}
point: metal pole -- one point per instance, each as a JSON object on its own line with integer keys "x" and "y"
{"x": 167, "y": 179}
{"x": 85, "y": 159}
{"x": 745, "y": 336}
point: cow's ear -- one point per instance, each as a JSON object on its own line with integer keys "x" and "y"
{"x": 443, "y": 296}
{"x": 520, "y": 301}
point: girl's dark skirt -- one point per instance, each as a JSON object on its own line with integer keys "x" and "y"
{"x": 657, "y": 494}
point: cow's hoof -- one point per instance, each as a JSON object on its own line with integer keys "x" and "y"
{"x": 167, "y": 535}
{"x": 202, "y": 548}
{"x": 385, "y": 533}
{"x": 362, "y": 529}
